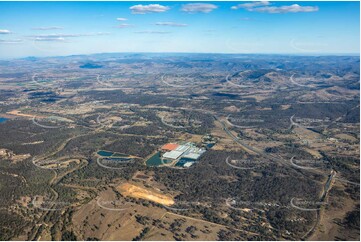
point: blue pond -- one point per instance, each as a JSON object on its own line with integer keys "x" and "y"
{"x": 210, "y": 145}
{"x": 2, "y": 119}
{"x": 155, "y": 160}
{"x": 105, "y": 153}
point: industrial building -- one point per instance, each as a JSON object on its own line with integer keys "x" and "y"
{"x": 172, "y": 155}
{"x": 182, "y": 155}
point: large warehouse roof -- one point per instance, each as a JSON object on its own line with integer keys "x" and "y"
{"x": 193, "y": 156}
{"x": 183, "y": 148}
{"x": 172, "y": 154}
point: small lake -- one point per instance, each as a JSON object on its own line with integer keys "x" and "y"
{"x": 183, "y": 160}
{"x": 155, "y": 160}
{"x": 210, "y": 145}
{"x": 2, "y": 119}
{"x": 105, "y": 153}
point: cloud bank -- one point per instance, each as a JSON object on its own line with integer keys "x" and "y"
{"x": 5, "y": 31}
{"x": 48, "y": 28}
{"x": 250, "y": 5}
{"x": 10, "y": 41}
{"x": 198, "y": 7}
{"x": 265, "y": 7}
{"x": 62, "y": 37}
{"x": 151, "y": 8}
{"x": 294, "y": 8}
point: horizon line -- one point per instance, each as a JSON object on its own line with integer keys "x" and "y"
{"x": 189, "y": 53}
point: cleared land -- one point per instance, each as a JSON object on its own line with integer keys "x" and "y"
{"x": 134, "y": 191}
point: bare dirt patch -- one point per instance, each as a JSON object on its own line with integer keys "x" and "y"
{"x": 130, "y": 190}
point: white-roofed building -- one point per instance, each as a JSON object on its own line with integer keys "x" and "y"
{"x": 192, "y": 156}
{"x": 188, "y": 164}
{"x": 174, "y": 154}
{"x": 194, "y": 153}
{"x": 182, "y": 148}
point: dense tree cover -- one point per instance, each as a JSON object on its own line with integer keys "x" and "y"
{"x": 352, "y": 219}
{"x": 68, "y": 236}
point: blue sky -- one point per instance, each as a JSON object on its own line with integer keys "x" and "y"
{"x": 66, "y": 28}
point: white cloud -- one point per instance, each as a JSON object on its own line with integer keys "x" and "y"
{"x": 56, "y": 36}
{"x": 53, "y": 37}
{"x": 48, "y": 28}
{"x": 5, "y": 31}
{"x": 50, "y": 39}
{"x": 250, "y": 5}
{"x": 122, "y": 26}
{"x": 10, "y": 41}
{"x": 63, "y": 37}
{"x": 264, "y": 7}
{"x": 151, "y": 32}
{"x": 199, "y": 7}
{"x": 151, "y": 8}
{"x": 172, "y": 24}
{"x": 122, "y": 19}
{"x": 294, "y": 8}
